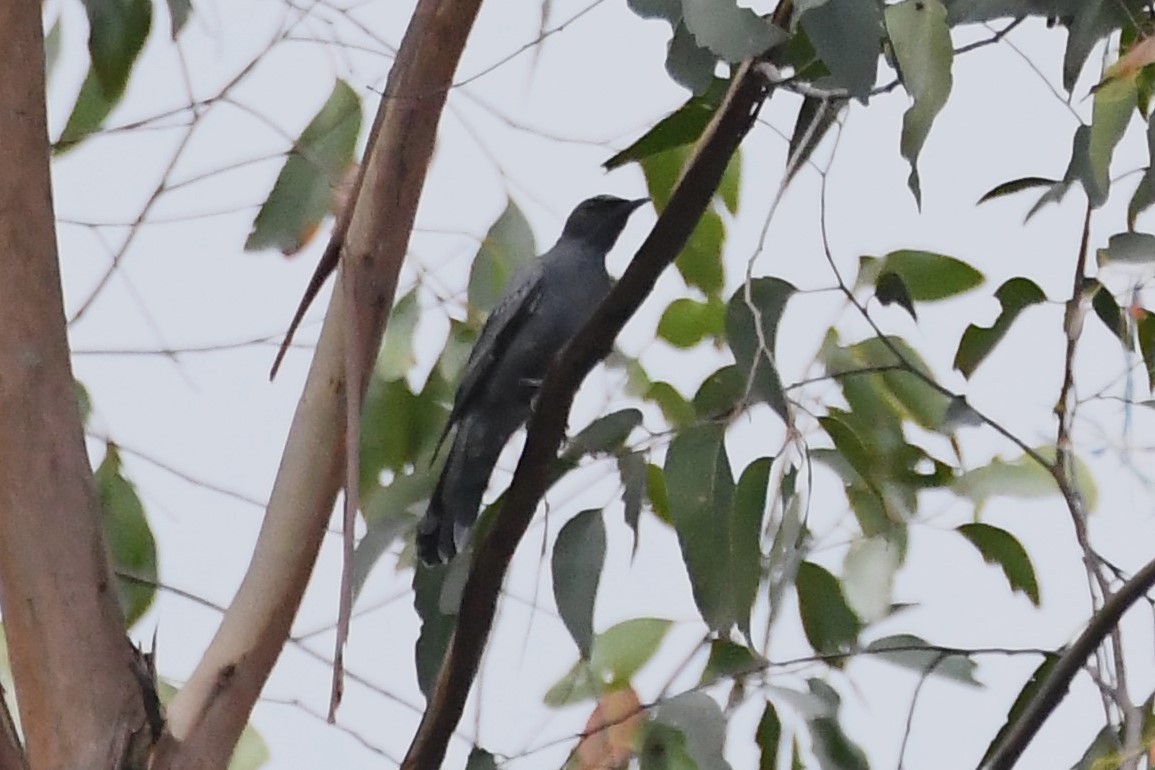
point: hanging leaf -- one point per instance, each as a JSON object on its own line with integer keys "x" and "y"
{"x": 890, "y": 290}
{"x": 720, "y": 394}
{"x": 731, "y": 32}
{"x": 1128, "y": 249}
{"x": 605, "y": 435}
{"x": 689, "y": 64}
{"x": 1145, "y": 330}
{"x": 677, "y": 129}
{"x": 578, "y": 557}
{"x": 675, "y": 408}
{"x": 621, "y": 650}
{"x": 977, "y": 342}
{"x": 928, "y": 277}
{"x": 632, "y": 469}
{"x": 698, "y": 717}
{"x": 768, "y": 736}
{"x": 686, "y": 322}
{"x": 913, "y": 652}
{"x": 1000, "y": 548}
{"x": 922, "y": 50}
{"x": 745, "y": 558}
{"x": 318, "y": 164}
{"x": 397, "y": 357}
{"x": 831, "y": 626}
{"x": 1023, "y": 479}
{"x": 847, "y": 35}
{"x": 611, "y": 731}
{"x": 728, "y": 660}
{"x": 506, "y": 247}
{"x": 752, "y": 330}
{"x": 130, "y": 540}
{"x": 664, "y": 748}
{"x": 1017, "y": 185}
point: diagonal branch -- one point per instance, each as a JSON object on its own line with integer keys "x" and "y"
{"x": 748, "y": 89}
{"x": 207, "y": 716}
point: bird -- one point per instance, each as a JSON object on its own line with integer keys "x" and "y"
{"x": 544, "y": 306}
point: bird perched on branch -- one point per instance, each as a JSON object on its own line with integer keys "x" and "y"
{"x": 544, "y": 306}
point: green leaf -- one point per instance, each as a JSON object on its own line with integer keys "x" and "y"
{"x": 916, "y": 653}
{"x": 621, "y": 650}
{"x": 396, "y": 357}
{"x": 868, "y": 572}
{"x": 679, "y": 128}
{"x": 657, "y": 492}
{"x": 92, "y": 106}
{"x": 1107, "y": 310}
{"x": 720, "y": 393}
{"x": 303, "y": 194}
{"x": 1114, "y": 105}
{"x": 891, "y": 290}
{"x": 752, "y": 330}
{"x": 728, "y": 660}
{"x": 1023, "y": 479}
{"x": 745, "y": 560}
{"x": 833, "y": 748}
{"x": 52, "y": 48}
{"x": 847, "y": 34}
{"x": 831, "y": 626}
{"x": 250, "y": 752}
{"x": 1017, "y": 185}
{"x": 731, "y": 32}
{"x": 179, "y": 11}
{"x": 578, "y": 557}
{"x": 701, "y": 491}
{"x": 436, "y": 625}
{"x": 675, "y": 408}
{"x": 130, "y": 541}
{"x": 768, "y": 736}
{"x": 689, "y": 64}
{"x": 83, "y": 400}
{"x": 928, "y": 277}
{"x": 632, "y": 469}
{"x": 664, "y": 748}
{"x": 1000, "y": 548}
{"x": 814, "y": 120}
{"x": 698, "y": 717}
{"x": 977, "y": 342}
{"x": 117, "y": 31}
{"x": 1128, "y": 249}
{"x": 686, "y": 322}
{"x": 480, "y": 759}
{"x": 390, "y": 512}
{"x": 1024, "y": 698}
{"x": 577, "y": 685}
{"x": 605, "y": 435}
{"x": 398, "y": 427}
{"x": 1088, "y": 22}
{"x": 1078, "y": 170}
{"x": 507, "y": 246}
{"x": 1145, "y": 331}
{"x": 670, "y": 10}
{"x": 922, "y": 50}
{"x": 1144, "y": 194}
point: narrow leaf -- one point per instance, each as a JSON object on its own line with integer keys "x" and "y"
{"x": 1000, "y": 548}
{"x": 977, "y": 342}
{"x": 831, "y": 626}
{"x": 752, "y": 330}
{"x": 578, "y": 557}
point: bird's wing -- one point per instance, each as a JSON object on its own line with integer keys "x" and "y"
{"x": 511, "y": 313}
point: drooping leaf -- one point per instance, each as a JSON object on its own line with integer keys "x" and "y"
{"x": 677, "y": 129}
{"x": 178, "y": 11}
{"x": 731, "y": 32}
{"x": 917, "y": 654}
{"x": 752, "y": 328}
{"x": 720, "y": 393}
{"x": 922, "y": 50}
{"x": 689, "y": 64}
{"x": 831, "y": 626}
{"x": 480, "y": 759}
{"x": 129, "y": 537}
{"x": 1145, "y": 330}
{"x": 577, "y": 685}
{"x": 833, "y": 747}
{"x": 52, "y": 48}
{"x": 605, "y": 435}
{"x": 117, "y": 31}
{"x": 1144, "y": 194}
{"x": 1107, "y": 310}
{"x": 398, "y": 427}
{"x": 632, "y": 469}
{"x": 436, "y": 625}
{"x": 317, "y": 165}
{"x": 868, "y": 572}
{"x": 92, "y": 106}
{"x": 815, "y": 119}
{"x": 578, "y": 557}
{"x": 507, "y": 246}
{"x": 928, "y": 277}
{"x": 847, "y": 36}
{"x": 745, "y": 539}
{"x": 890, "y": 290}
{"x": 657, "y": 492}
{"x": 977, "y": 342}
{"x": 1000, "y": 548}
{"x": 701, "y": 490}
{"x": 768, "y": 736}
{"x": 1017, "y": 185}
{"x": 1114, "y": 105}
{"x": 1079, "y": 169}
{"x": 700, "y": 719}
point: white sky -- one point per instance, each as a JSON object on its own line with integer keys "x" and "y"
{"x": 600, "y": 81}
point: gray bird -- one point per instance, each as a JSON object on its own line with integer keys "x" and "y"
{"x": 544, "y": 306}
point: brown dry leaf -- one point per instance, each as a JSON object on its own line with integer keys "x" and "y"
{"x": 608, "y": 741}
{"x": 1139, "y": 56}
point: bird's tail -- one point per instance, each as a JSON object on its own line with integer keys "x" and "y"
{"x": 456, "y": 499}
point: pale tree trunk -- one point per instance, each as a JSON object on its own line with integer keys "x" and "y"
{"x": 79, "y": 699}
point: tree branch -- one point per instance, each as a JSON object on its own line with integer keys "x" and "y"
{"x": 703, "y": 172}
{"x": 72, "y": 663}
{"x": 1054, "y": 689}
{"x": 207, "y": 716}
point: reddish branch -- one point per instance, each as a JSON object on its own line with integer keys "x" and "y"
{"x": 206, "y": 718}
{"x": 80, "y": 704}
{"x": 748, "y": 89}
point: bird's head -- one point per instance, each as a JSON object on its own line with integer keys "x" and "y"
{"x": 600, "y": 220}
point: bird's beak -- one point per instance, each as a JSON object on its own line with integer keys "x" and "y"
{"x": 635, "y": 204}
